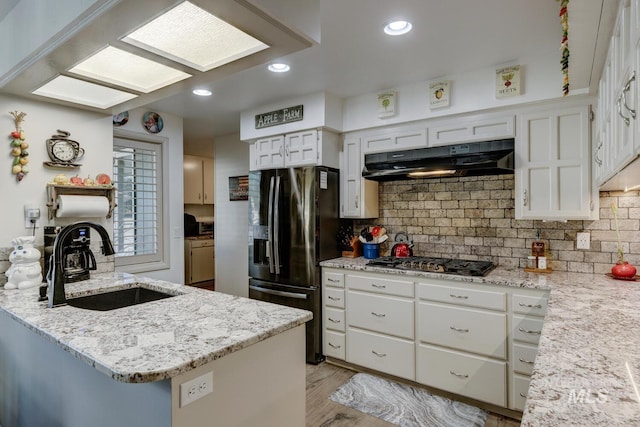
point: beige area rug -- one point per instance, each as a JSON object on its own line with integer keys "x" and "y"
{"x": 405, "y": 406}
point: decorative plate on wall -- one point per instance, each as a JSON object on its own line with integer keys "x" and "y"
{"x": 152, "y": 122}
{"x": 121, "y": 119}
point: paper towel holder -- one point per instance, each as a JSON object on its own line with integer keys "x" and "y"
{"x": 53, "y": 191}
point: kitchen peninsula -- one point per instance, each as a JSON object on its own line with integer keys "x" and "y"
{"x": 587, "y": 368}
{"x": 67, "y": 366}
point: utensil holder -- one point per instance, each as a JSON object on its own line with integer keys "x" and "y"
{"x": 371, "y": 250}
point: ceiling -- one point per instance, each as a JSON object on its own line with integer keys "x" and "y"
{"x": 355, "y": 57}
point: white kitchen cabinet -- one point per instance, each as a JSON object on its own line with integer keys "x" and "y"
{"x": 553, "y": 179}
{"x": 306, "y": 148}
{"x": 394, "y": 139}
{"x": 333, "y": 314}
{"x": 528, "y": 308}
{"x": 199, "y": 260}
{"x": 198, "y": 180}
{"x": 358, "y": 196}
{"x": 473, "y": 128}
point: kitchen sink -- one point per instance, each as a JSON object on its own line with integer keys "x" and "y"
{"x": 117, "y": 299}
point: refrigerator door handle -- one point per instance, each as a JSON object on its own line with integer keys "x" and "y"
{"x": 276, "y": 226}
{"x": 295, "y": 295}
{"x": 270, "y": 227}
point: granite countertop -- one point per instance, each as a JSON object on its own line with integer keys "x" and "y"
{"x": 587, "y": 371}
{"x": 154, "y": 341}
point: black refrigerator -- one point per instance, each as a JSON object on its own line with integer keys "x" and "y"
{"x": 293, "y": 222}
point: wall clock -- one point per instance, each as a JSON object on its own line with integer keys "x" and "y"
{"x": 63, "y": 152}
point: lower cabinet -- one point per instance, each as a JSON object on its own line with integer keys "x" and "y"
{"x": 472, "y": 339}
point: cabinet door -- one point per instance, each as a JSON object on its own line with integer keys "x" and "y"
{"x": 553, "y": 179}
{"x": 202, "y": 265}
{"x": 475, "y": 128}
{"x": 207, "y": 181}
{"x": 192, "y": 169}
{"x": 301, "y": 148}
{"x": 395, "y": 141}
{"x": 359, "y": 196}
{"x": 269, "y": 153}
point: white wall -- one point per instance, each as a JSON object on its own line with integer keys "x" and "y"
{"x": 92, "y": 130}
{"x": 173, "y": 226}
{"x": 470, "y": 91}
{"x": 232, "y": 218}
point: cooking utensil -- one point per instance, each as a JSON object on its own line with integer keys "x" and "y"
{"x": 403, "y": 248}
{"x": 375, "y": 231}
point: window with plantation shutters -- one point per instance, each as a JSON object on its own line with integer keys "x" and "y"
{"x": 137, "y": 219}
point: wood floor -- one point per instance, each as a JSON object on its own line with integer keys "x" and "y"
{"x": 324, "y": 378}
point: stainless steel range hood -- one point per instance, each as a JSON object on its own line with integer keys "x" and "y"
{"x": 476, "y": 158}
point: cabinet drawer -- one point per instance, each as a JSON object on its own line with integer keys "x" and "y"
{"x": 334, "y": 319}
{"x": 384, "y": 314}
{"x": 519, "y": 392}
{"x": 462, "y": 296}
{"x": 201, "y": 243}
{"x": 529, "y": 304}
{"x": 334, "y": 344}
{"x": 382, "y": 285}
{"x": 467, "y": 375}
{"x": 386, "y": 354}
{"x": 523, "y": 357}
{"x": 477, "y": 331}
{"x": 527, "y": 329}
{"x": 330, "y": 278}
{"x": 333, "y": 297}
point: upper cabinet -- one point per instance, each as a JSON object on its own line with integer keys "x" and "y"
{"x": 553, "y": 179}
{"x": 617, "y": 140}
{"x": 306, "y": 148}
{"x": 198, "y": 180}
{"x": 482, "y": 127}
{"x": 393, "y": 140}
{"x": 358, "y": 196}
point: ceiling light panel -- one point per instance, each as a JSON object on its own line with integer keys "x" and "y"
{"x": 80, "y": 92}
{"x": 194, "y": 37}
{"x": 121, "y": 68}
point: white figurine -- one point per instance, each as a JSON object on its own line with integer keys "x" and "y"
{"x": 25, "y": 271}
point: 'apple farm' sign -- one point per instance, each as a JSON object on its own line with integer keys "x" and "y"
{"x": 279, "y": 117}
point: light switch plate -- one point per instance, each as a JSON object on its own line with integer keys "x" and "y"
{"x": 583, "y": 240}
{"x": 196, "y": 388}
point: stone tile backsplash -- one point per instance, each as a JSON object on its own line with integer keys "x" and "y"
{"x": 473, "y": 218}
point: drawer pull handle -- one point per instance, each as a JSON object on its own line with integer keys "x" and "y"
{"x": 526, "y": 331}
{"x": 523, "y": 395}
{"x": 334, "y": 346}
{"x": 333, "y": 280}
{"x": 459, "y": 375}
{"x": 378, "y": 286}
{"x": 378, "y": 314}
{"x": 459, "y": 296}
{"x": 333, "y": 320}
{"x": 525, "y": 361}
{"x": 458, "y": 329}
{"x": 531, "y": 305}
{"x": 379, "y": 354}
{"x": 334, "y": 298}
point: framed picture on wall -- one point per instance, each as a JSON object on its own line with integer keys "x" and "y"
{"x": 238, "y": 188}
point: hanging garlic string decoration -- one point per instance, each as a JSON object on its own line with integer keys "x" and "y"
{"x": 564, "y": 45}
{"x": 19, "y": 147}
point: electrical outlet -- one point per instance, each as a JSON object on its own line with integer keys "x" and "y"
{"x": 196, "y": 388}
{"x": 583, "y": 240}
{"x": 31, "y": 216}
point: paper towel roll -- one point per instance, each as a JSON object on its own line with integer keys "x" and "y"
{"x": 71, "y": 206}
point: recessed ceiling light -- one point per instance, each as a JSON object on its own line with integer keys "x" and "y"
{"x": 121, "y": 68}
{"x": 194, "y": 37}
{"x": 278, "y": 68}
{"x": 397, "y": 28}
{"x": 202, "y": 92}
{"x": 81, "y": 92}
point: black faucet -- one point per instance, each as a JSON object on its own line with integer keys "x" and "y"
{"x": 55, "y": 277}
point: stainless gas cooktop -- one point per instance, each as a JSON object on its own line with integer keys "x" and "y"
{"x": 461, "y": 267}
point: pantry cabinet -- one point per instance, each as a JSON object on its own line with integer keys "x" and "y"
{"x": 306, "y": 148}
{"x": 358, "y": 196}
{"x": 452, "y": 335}
{"x": 198, "y": 180}
{"x": 553, "y": 159}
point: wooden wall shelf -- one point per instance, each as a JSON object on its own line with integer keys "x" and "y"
{"x": 53, "y": 191}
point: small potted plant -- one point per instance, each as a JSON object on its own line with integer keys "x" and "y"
{"x": 622, "y": 269}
